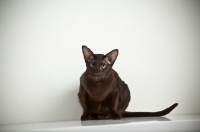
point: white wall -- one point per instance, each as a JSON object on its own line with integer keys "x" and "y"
{"x": 41, "y": 58}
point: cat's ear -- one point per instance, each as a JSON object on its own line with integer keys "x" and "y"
{"x": 87, "y": 53}
{"x": 112, "y": 56}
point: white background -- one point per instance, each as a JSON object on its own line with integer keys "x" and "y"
{"x": 41, "y": 58}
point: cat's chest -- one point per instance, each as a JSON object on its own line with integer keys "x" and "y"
{"x": 98, "y": 90}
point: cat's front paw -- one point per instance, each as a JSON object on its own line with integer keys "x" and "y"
{"x": 116, "y": 116}
{"x": 85, "y": 117}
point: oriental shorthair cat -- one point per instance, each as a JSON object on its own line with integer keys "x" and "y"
{"x": 102, "y": 93}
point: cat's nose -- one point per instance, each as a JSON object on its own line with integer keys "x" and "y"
{"x": 96, "y": 75}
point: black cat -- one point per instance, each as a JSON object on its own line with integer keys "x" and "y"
{"x": 102, "y": 93}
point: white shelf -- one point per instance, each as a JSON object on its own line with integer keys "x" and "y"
{"x": 167, "y": 123}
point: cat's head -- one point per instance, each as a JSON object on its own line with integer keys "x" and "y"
{"x": 99, "y": 66}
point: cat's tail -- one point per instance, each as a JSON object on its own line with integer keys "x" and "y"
{"x": 148, "y": 114}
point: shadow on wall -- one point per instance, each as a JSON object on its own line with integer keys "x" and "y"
{"x": 73, "y": 109}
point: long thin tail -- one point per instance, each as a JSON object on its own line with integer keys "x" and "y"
{"x": 148, "y": 114}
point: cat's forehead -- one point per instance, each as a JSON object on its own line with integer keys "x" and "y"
{"x": 98, "y": 57}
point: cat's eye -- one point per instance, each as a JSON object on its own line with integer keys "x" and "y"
{"x": 103, "y": 66}
{"x": 91, "y": 65}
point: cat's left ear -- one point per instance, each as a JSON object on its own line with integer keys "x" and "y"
{"x": 87, "y": 53}
{"x": 112, "y": 56}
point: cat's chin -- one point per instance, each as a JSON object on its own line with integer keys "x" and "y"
{"x": 96, "y": 79}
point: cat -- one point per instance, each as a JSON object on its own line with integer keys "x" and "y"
{"x": 102, "y": 94}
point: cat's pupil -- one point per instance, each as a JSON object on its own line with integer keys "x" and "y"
{"x": 103, "y": 66}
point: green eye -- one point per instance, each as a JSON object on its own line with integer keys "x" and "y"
{"x": 91, "y": 65}
{"x": 103, "y": 66}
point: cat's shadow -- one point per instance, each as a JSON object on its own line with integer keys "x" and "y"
{"x": 123, "y": 121}
{"x": 72, "y": 106}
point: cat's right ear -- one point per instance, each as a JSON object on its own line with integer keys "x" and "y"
{"x": 87, "y": 53}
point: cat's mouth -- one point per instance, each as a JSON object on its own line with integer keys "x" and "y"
{"x": 96, "y": 78}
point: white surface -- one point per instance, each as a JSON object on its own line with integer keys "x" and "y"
{"x": 181, "y": 123}
{"x": 41, "y": 58}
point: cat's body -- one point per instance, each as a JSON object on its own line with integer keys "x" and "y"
{"x": 102, "y": 93}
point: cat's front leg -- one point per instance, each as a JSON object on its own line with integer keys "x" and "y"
{"x": 114, "y": 105}
{"x": 85, "y": 117}
{"x": 86, "y": 112}
{"x": 83, "y": 99}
